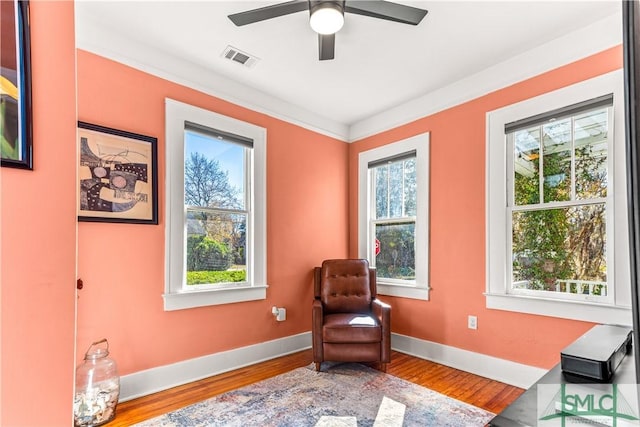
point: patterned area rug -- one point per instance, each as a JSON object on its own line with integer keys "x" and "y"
{"x": 346, "y": 394}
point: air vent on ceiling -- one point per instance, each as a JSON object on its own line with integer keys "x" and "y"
{"x": 240, "y": 57}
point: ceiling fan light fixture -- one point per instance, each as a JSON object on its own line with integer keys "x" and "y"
{"x": 326, "y": 17}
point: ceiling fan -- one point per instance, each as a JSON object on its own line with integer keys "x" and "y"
{"x": 326, "y": 17}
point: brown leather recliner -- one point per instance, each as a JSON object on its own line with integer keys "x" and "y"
{"x": 349, "y": 323}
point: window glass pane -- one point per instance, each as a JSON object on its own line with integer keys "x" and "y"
{"x": 556, "y": 161}
{"x": 527, "y": 166}
{"x": 382, "y": 191}
{"x": 214, "y": 172}
{"x": 562, "y": 250}
{"x": 591, "y": 134}
{"x": 396, "y": 189}
{"x": 410, "y": 185}
{"x": 216, "y": 247}
{"x": 396, "y": 257}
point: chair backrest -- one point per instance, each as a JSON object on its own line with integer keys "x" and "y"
{"x": 345, "y": 285}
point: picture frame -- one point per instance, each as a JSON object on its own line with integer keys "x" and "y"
{"x": 117, "y": 175}
{"x": 16, "y": 137}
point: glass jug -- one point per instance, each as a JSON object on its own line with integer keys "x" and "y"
{"x": 97, "y": 387}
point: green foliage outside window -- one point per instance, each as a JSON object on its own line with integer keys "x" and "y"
{"x": 204, "y": 253}
{"x": 396, "y": 259}
{"x": 207, "y": 277}
{"x": 539, "y": 235}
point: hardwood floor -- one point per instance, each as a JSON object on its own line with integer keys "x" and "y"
{"x": 482, "y": 392}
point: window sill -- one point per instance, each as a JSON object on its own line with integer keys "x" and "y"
{"x": 202, "y": 298}
{"x": 575, "y": 310}
{"x": 403, "y": 291}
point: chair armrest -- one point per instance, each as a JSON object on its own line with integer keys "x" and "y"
{"x": 316, "y": 330}
{"x": 382, "y": 311}
{"x": 317, "y": 271}
{"x": 316, "y": 315}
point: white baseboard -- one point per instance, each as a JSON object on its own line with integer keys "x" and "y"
{"x": 153, "y": 380}
{"x": 506, "y": 371}
{"x": 164, "y": 377}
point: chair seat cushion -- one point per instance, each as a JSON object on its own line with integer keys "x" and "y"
{"x": 351, "y": 328}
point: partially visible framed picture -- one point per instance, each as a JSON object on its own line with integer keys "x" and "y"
{"x": 15, "y": 85}
{"x": 117, "y": 176}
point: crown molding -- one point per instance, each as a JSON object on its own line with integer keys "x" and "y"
{"x": 571, "y": 47}
{"x": 94, "y": 37}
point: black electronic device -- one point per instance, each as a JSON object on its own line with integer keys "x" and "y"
{"x": 597, "y": 353}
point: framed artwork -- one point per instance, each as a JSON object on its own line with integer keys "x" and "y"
{"x": 15, "y": 85}
{"x": 117, "y": 176}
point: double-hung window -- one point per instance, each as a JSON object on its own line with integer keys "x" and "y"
{"x": 394, "y": 215}
{"x": 217, "y": 206}
{"x": 215, "y": 239}
{"x": 556, "y": 204}
{"x": 557, "y": 184}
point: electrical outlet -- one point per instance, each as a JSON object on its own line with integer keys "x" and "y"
{"x": 279, "y": 313}
{"x": 472, "y": 322}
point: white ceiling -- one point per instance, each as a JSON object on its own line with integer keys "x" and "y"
{"x": 379, "y": 65}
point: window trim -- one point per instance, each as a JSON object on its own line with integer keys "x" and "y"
{"x": 497, "y": 296}
{"x": 419, "y": 143}
{"x": 175, "y": 296}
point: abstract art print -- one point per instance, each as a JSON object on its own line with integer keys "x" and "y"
{"x": 117, "y": 176}
{"x": 15, "y": 85}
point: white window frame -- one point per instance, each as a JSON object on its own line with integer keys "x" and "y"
{"x": 497, "y": 294}
{"x": 419, "y": 143}
{"x": 176, "y": 296}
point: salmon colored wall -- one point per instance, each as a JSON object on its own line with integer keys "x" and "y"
{"x": 307, "y": 221}
{"x": 457, "y": 229}
{"x": 38, "y": 238}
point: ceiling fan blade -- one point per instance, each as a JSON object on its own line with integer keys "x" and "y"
{"x": 268, "y": 12}
{"x": 327, "y": 44}
{"x": 386, "y": 10}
